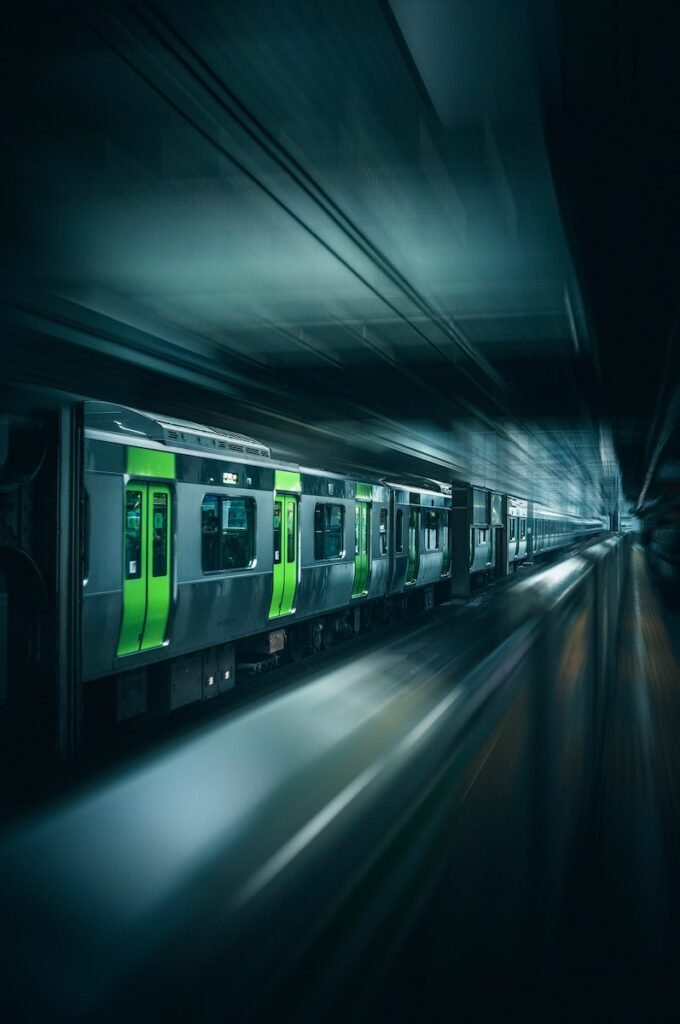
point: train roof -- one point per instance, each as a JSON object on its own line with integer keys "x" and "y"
{"x": 137, "y": 427}
{"x": 434, "y": 488}
{"x": 133, "y": 424}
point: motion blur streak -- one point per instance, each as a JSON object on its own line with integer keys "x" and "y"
{"x": 111, "y": 859}
{"x": 118, "y": 864}
{"x": 478, "y": 774}
{"x": 639, "y": 806}
{"x": 144, "y": 832}
{"x": 324, "y": 817}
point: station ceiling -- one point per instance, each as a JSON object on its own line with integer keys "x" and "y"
{"x": 382, "y": 235}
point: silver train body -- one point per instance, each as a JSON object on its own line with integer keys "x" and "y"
{"x": 201, "y": 551}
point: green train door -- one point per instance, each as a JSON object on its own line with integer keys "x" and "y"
{"x": 285, "y": 575}
{"x": 361, "y": 544}
{"x": 413, "y": 545}
{"x": 146, "y": 571}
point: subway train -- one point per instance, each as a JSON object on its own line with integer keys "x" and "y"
{"x": 203, "y": 554}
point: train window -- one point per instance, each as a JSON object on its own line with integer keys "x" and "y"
{"x": 329, "y": 532}
{"x": 227, "y": 532}
{"x": 522, "y": 528}
{"x": 318, "y": 532}
{"x": 413, "y": 524}
{"x": 133, "y": 535}
{"x": 362, "y": 528}
{"x": 480, "y": 501}
{"x": 446, "y": 559}
{"x": 431, "y": 530}
{"x": 383, "y": 531}
{"x": 399, "y": 531}
{"x": 290, "y": 528}
{"x": 85, "y": 560}
{"x": 160, "y": 535}
{"x": 512, "y": 528}
{"x": 210, "y": 533}
{"x": 413, "y": 543}
{"x": 277, "y": 533}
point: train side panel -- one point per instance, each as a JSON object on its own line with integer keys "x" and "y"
{"x": 326, "y": 583}
{"x": 212, "y": 607}
{"x": 103, "y": 584}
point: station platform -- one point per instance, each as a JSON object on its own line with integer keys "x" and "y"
{"x": 612, "y": 946}
{"x": 476, "y": 812}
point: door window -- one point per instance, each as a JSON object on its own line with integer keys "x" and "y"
{"x": 413, "y": 529}
{"x": 383, "y": 531}
{"x": 290, "y": 538}
{"x": 133, "y": 535}
{"x": 227, "y": 532}
{"x": 329, "y": 531}
{"x": 160, "y": 534}
{"x": 277, "y": 533}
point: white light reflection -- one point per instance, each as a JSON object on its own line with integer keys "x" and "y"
{"x": 284, "y": 856}
{"x": 116, "y": 853}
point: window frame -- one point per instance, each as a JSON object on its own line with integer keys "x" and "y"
{"x": 221, "y": 497}
{"x": 165, "y": 539}
{"x": 399, "y": 532}
{"x": 429, "y": 529}
{"x": 384, "y": 535}
{"x": 445, "y": 516}
{"x": 138, "y": 573}
{"x": 86, "y": 535}
{"x": 325, "y": 531}
{"x": 291, "y": 533}
{"x": 276, "y": 551}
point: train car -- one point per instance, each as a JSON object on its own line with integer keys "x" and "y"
{"x": 554, "y": 531}
{"x": 421, "y": 547}
{"x": 519, "y": 531}
{"x": 501, "y": 532}
{"x": 478, "y": 538}
{"x": 201, "y": 549}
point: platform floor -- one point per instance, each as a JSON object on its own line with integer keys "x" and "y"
{"x": 629, "y": 906}
{"x": 204, "y": 850}
{"x": 617, "y": 953}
